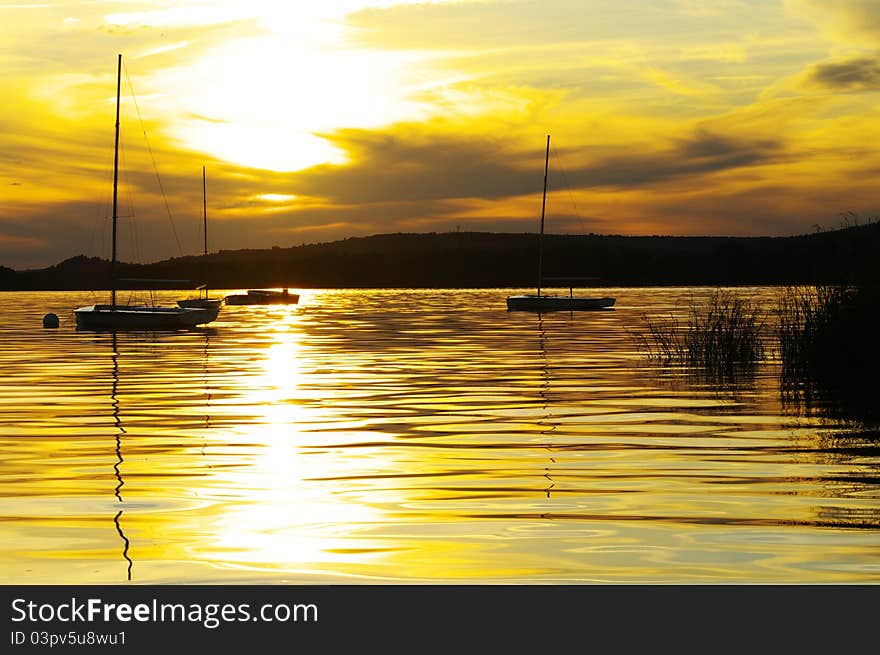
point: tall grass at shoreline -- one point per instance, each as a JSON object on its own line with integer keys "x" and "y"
{"x": 811, "y": 328}
{"x": 720, "y": 336}
{"x": 828, "y": 340}
{"x": 829, "y": 346}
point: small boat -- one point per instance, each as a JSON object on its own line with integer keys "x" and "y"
{"x": 134, "y": 317}
{"x": 551, "y": 303}
{"x": 263, "y": 297}
{"x": 545, "y": 303}
{"x": 203, "y": 302}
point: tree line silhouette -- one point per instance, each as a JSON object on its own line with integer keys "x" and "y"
{"x": 482, "y": 259}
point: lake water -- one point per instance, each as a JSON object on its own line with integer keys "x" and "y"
{"x": 413, "y": 436}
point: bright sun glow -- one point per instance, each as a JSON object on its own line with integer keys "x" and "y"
{"x": 268, "y": 101}
{"x": 276, "y": 197}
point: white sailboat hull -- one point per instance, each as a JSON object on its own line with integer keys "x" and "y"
{"x": 141, "y": 317}
{"x": 535, "y": 303}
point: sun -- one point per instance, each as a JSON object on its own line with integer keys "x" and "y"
{"x": 272, "y": 101}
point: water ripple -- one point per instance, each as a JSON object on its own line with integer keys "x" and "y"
{"x": 413, "y": 435}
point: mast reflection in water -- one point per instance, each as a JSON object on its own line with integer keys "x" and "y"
{"x": 117, "y": 421}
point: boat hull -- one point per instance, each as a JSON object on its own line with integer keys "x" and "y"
{"x": 258, "y": 297}
{"x": 532, "y": 303}
{"x": 201, "y": 303}
{"x": 141, "y": 317}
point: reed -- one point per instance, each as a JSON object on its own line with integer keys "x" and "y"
{"x": 810, "y": 320}
{"x": 829, "y": 348}
{"x": 722, "y": 335}
{"x": 827, "y": 339}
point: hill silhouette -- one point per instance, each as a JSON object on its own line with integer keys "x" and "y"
{"x": 482, "y": 259}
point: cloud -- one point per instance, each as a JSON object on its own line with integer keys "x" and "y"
{"x": 853, "y": 74}
{"x": 16, "y": 242}
{"x": 691, "y": 157}
{"x": 62, "y": 38}
{"x": 409, "y": 165}
{"x": 855, "y": 22}
{"x": 492, "y": 25}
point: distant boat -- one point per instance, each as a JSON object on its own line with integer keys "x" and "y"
{"x": 547, "y": 303}
{"x": 134, "y": 317}
{"x": 263, "y": 297}
{"x": 203, "y": 302}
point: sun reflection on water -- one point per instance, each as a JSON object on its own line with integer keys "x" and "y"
{"x": 286, "y": 518}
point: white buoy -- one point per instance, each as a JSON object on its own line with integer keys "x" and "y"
{"x": 50, "y": 321}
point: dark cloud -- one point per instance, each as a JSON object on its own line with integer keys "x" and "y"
{"x": 412, "y": 166}
{"x": 856, "y": 74}
{"x": 698, "y": 154}
{"x": 407, "y": 165}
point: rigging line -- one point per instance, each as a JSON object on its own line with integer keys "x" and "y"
{"x": 96, "y": 241}
{"x": 153, "y": 158}
{"x": 568, "y": 188}
{"x": 132, "y": 232}
{"x": 132, "y": 216}
{"x": 136, "y": 241}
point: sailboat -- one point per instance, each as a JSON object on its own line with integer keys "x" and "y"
{"x": 134, "y": 317}
{"x": 200, "y": 302}
{"x": 547, "y": 303}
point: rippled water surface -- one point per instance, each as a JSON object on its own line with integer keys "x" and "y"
{"x": 413, "y": 436}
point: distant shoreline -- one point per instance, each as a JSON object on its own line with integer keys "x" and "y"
{"x": 474, "y": 260}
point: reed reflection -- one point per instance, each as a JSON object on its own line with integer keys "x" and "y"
{"x": 851, "y": 400}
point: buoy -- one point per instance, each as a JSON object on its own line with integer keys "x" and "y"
{"x": 50, "y": 321}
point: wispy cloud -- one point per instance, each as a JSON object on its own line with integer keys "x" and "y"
{"x": 852, "y": 22}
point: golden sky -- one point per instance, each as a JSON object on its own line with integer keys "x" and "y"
{"x": 323, "y": 120}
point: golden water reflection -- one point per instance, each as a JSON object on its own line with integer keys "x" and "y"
{"x": 412, "y": 436}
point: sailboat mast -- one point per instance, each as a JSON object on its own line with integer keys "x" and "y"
{"x": 204, "y": 211}
{"x": 543, "y": 206}
{"x": 204, "y": 225}
{"x": 115, "y": 184}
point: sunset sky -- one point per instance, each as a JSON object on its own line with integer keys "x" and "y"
{"x": 323, "y": 120}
